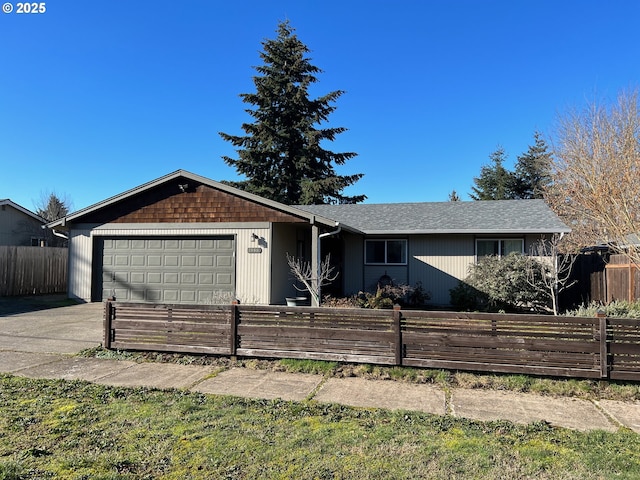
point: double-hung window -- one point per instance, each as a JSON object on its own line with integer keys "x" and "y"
{"x": 498, "y": 246}
{"x": 386, "y": 252}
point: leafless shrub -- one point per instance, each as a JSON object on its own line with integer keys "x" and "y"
{"x": 313, "y": 281}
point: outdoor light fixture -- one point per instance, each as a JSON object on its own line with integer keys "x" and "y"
{"x": 254, "y": 237}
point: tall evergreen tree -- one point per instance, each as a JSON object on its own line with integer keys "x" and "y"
{"x": 51, "y": 207}
{"x": 495, "y": 181}
{"x": 533, "y": 169}
{"x": 281, "y": 154}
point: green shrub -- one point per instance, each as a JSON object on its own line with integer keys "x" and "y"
{"x": 386, "y": 296}
{"x": 617, "y": 308}
{"x": 512, "y": 282}
{"x": 466, "y": 298}
{"x": 419, "y": 296}
{"x": 340, "y": 302}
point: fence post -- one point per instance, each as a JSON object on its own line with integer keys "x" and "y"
{"x": 108, "y": 317}
{"x": 233, "y": 326}
{"x": 397, "y": 327}
{"x": 604, "y": 344}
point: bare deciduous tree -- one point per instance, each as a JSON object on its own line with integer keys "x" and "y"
{"x": 551, "y": 270}
{"x": 313, "y": 281}
{"x": 596, "y": 174}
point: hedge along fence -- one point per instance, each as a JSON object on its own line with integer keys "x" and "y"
{"x": 530, "y": 344}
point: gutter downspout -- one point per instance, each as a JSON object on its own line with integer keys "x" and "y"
{"x": 335, "y": 232}
{"x": 57, "y": 234}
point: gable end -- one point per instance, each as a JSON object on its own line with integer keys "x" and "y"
{"x": 199, "y": 203}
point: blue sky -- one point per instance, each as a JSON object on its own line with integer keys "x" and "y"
{"x": 99, "y": 97}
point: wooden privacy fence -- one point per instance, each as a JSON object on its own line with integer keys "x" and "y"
{"x": 32, "y": 270}
{"x": 530, "y": 344}
{"x": 622, "y": 279}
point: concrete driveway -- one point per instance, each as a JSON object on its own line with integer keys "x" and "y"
{"x": 65, "y": 330}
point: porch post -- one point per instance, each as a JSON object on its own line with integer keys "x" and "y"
{"x": 315, "y": 263}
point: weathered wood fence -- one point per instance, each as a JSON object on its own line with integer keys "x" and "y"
{"x": 622, "y": 279}
{"x": 602, "y": 278}
{"x": 32, "y": 270}
{"x": 530, "y": 344}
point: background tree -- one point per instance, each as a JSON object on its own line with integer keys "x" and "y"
{"x": 596, "y": 174}
{"x": 281, "y": 154}
{"x": 495, "y": 181}
{"x": 454, "y": 197}
{"x": 533, "y": 170}
{"x": 51, "y": 207}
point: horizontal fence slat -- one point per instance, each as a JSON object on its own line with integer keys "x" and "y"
{"x": 560, "y": 345}
{"x": 332, "y": 357}
{"x": 530, "y": 344}
{"x": 175, "y": 328}
{"x": 171, "y": 348}
{"x": 504, "y": 368}
{"x": 312, "y": 332}
{"x": 506, "y": 358}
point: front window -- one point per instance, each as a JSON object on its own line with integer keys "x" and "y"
{"x": 499, "y": 247}
{"x": 386, "y": 252}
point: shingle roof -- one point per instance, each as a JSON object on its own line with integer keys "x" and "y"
{"x": 490, "y": 217}
{"x": 20, "y": 208}
{"x": 183, "y": 174}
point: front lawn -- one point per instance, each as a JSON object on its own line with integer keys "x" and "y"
{"x": 74, "y": 430}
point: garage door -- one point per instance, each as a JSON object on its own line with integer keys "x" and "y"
{"x": 169, "y": 270}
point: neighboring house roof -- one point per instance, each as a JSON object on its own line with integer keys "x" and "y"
{"x": 8, "y": 202}
{"x": 184, "y": 175}
{"x": 480, "y": 217}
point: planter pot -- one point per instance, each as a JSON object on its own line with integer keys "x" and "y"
{"x": 295, "y": 301}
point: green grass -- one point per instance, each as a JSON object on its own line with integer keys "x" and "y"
{"x": 77, "y": 430}
{"x": 446, "y": 379}
{"x": 309, "y": 366}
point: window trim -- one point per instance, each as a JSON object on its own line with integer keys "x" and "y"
{"x": 500, "y": 247}
{"x": 405, "y": 247}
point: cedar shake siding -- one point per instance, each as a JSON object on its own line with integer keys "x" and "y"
{"x": 198, "y": 204}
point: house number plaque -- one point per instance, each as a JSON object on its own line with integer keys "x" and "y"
{"x": 254, "y": 250}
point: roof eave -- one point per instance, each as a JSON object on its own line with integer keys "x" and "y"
{"x": 468, "y": 232}
{"x": 21, "y": 209}
{"x": 200, "y": 179}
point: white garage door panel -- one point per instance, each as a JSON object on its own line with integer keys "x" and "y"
{"x": 169, "y": 270}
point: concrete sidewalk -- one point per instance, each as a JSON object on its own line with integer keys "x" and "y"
{"x": 40, "y": 345}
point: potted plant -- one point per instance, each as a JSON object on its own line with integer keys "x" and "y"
{"x": 295, "y": 301}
